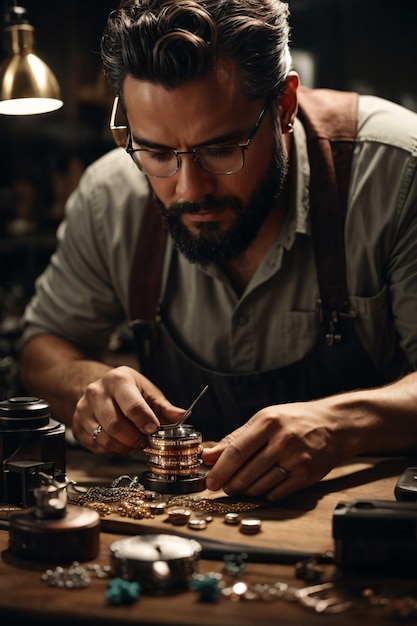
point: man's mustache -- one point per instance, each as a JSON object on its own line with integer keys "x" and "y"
{"x": 207, "y": 204}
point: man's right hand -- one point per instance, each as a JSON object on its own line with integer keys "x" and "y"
{"x": 118, "y": 411}
{"x": 110, "y": 410}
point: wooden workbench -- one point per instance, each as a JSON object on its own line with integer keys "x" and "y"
{"x": 301, "y": 523}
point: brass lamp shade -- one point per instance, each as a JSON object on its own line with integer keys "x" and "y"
{"x": 27, "y": 85}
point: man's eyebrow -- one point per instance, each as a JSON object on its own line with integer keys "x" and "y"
{"x": 233, "y": 137}
{"x": 148, "y": 144}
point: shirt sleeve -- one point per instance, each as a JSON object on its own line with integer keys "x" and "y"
{"x": 402, "y": 267}
{"x": 82, "y": 295}
{"x": 381, "y": 232}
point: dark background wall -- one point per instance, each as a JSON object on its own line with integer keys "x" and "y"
{"x": 368, "y": 45}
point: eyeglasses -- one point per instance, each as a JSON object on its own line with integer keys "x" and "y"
{"x": 219, "y": 159}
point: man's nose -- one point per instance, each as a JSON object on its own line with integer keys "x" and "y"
{"x": 193, "y": 183}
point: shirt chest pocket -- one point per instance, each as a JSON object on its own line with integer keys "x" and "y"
{"x": 375, "y": 327}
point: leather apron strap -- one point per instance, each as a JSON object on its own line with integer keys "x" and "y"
{"x": 330, "y": 121}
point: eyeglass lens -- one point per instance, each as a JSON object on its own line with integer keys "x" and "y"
{"x": 214, "y": 159}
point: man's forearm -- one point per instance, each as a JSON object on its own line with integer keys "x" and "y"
{"x": 382, "y": 419}
{"x": 55, "y": 370}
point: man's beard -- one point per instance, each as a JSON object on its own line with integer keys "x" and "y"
{"x": 213, "y": 246}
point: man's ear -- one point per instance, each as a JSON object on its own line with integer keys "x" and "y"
{"x": 288, "y": 103}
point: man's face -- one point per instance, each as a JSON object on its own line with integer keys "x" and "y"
{"x": 211, "y": 218}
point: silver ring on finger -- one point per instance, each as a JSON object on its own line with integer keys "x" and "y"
{"x": 283, "y": 471}
{"x": 97, "y": 431}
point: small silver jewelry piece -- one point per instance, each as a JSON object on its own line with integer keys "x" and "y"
{"x": 290, "y": 127}
{"x": 250, "y": 526}
{"x": 232, "y": 518}
{"x": 197, "y": 523}
{"x": 97, "y": 431}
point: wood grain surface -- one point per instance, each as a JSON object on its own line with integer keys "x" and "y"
{"x": 302, "y": 522}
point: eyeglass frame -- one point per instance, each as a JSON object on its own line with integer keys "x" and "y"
{"x": 123, "y": 138}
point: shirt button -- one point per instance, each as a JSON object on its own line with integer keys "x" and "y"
{"x": 242, "y": 320}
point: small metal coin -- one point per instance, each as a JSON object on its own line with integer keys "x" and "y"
{"x": 232, "y": 518}
{"x": 250, "y": 526}
{"x": 179, "y": 516}
{"x": 197, "y": 523}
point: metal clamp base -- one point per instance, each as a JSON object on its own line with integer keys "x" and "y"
{"x": 179, "y": 485}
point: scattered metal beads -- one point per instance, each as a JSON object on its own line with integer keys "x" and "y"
{"x": 136, "y": 509}
{"x": 99, "y": 571}
{"x": 75, "y": 576}
{"x": 260, "y": 591}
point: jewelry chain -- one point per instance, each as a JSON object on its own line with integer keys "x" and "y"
{"x": 127, "y": 497}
